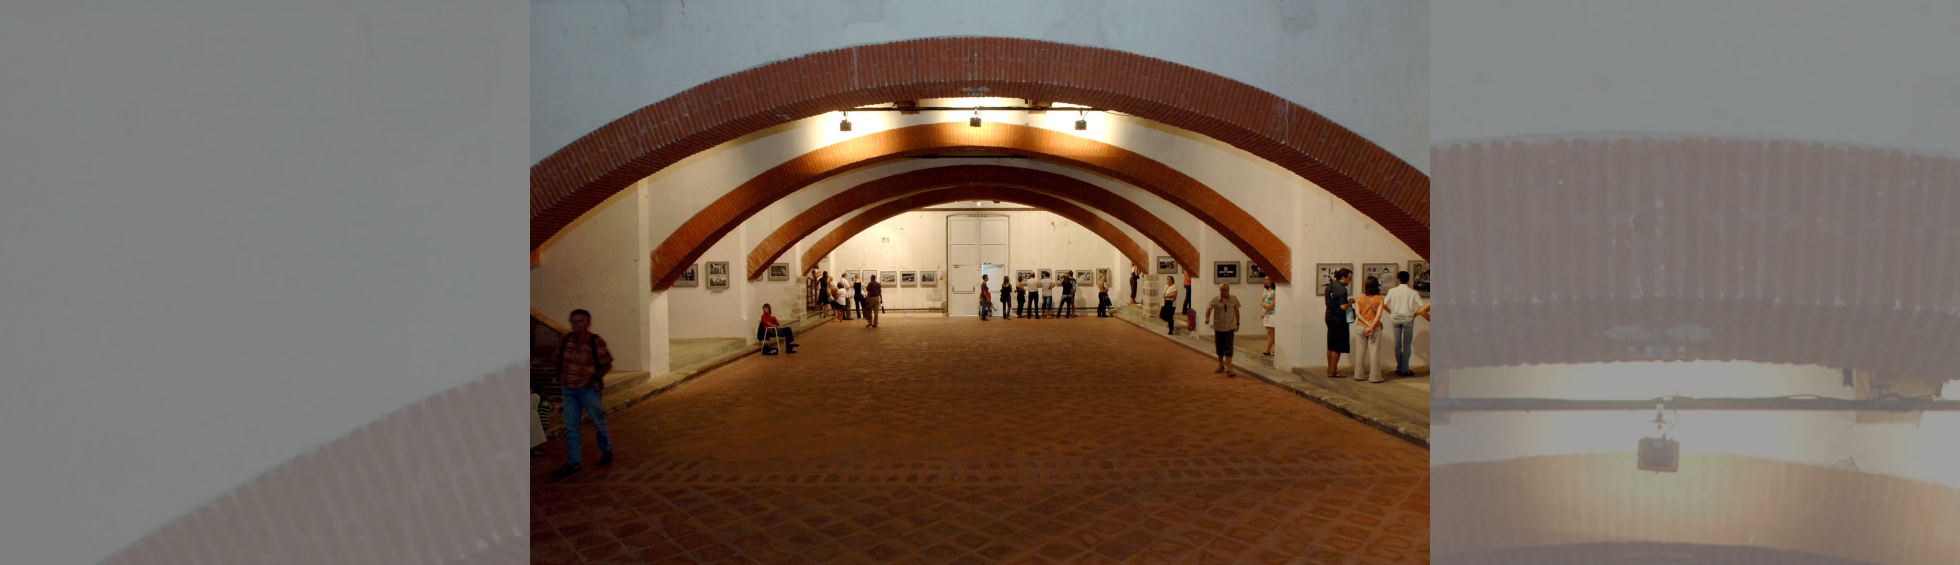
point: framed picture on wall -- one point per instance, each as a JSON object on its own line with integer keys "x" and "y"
{"x": 1419, "y": 277}
{"x": 1085, "y": 277}
{"x": 1166, "y": 266}
{"x": 887, "y": 277}
{"x": 928, "y": 278}
{"x": 1102, "y": 275}
{"x": 1324, "y": 273}
{"x": 1023, "y": 276}
{"x": 1383, "y": 272}
{"x": 1225, "y": 272}
{"x": 779, "y": 272}
{"x": 1254, "y": 274}
{"x": 908, "y": 278}
{"x": 868, "y": 276}
{"x": 690, "y": 277}
{"x": 717, "y": 275}
{"x": 850, "y": 275}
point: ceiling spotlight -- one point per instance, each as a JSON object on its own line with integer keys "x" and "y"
{"x": 975, "y": 120}
{"x": 1082, "y": 123}
{"x": 846, "y": 124}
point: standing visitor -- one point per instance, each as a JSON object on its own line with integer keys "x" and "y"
{"x": 1136, "y": 273}
{"x": 1368, "y": 332}
{"x": 857, "y": 295}
{"x": 1006, "y": 298}
{"x": 583, "y": 361}
{"x": 875, "y": 293}
{"x": 1068, "y": 297}
{"x": 1047, "y": 287}
{"x": 1225, "y": 308}
{"x": 1169, "y": 313}
{"x": 1268, "y": 300}
{"x": 986, "y": 299}
{"x": 1192, "y": 314}
{"x": 1021, "y": 299}
{"x": 1338, "y": 304}
{"x": 1403, "y": 305}
{"x": 1102, "y": 297}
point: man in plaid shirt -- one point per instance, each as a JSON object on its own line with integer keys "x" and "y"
{"x": 583, "y": 361}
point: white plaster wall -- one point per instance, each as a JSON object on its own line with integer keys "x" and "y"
{"x": 1362, "y": 63}
{"x": 1921, "y": 451}
{"x": 601, "y": 267}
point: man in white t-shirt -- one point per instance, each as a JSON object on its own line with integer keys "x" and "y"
{"x": 1403, "y": 305}
{"x": 1047, "y": 286}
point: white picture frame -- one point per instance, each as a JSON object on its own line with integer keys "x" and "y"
{"x": 1225, "y": 272}
{"x": 717, "y": 275}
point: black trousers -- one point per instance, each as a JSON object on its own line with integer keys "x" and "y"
{"x": 1006, "y": 311}
{"x": 1102, "y": 305}
{"x": 1068, "y": 304}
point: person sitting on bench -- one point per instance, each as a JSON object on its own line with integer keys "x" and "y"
{"x": 770, "y": 328}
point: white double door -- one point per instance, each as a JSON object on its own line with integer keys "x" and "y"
{"x": 975, "y": 245}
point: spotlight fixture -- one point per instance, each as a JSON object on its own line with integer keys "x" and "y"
{"x": 1082, "y": 123}
{"x": 975, "y": 120}
{"x": 846, "y": 124}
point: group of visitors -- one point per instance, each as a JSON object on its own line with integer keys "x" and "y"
{"x": 1361, "y": 320}
{"x": 1015, "y": 298}
{"x": 850, "y": 296}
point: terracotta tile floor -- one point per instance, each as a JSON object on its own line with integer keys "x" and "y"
{"x": 937, "y": 440}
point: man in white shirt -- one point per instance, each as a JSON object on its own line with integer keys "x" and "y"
{"x": 1403, "y": 305}
{"x": 1047, "y": 286}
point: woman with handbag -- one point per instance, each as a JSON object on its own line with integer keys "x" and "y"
{"x": 1169, "y": 313}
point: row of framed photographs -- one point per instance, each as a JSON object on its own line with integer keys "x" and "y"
{"x": 718, "y": 275}
{"x": 899, "y": 278}
{"x": 1384, "y": 273}
{"x": 1084, "y": 276}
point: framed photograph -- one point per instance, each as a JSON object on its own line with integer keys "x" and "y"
{"x": 1254, "y": 274}
{"x": 868, "y": 275}
{"x": 908, "y": 278}
{"x": 718, "y": 275}
{"x": 1419, "y": 277}
{"x": 1023, "y": 276}
{"x": 1166, "y": 266}
{"x": 1102, "y": 274}
{"x": 1047, "y": 274}
{"x": 928, "y": 278}
{"x": 1383, "y": 272}
{"x": 887, "y": 277}
{"x": 1324, "y": 273}
{"x": 850, "y": 275}
{"x": 779, "y": 272}
{"x": 1225, "y": 272}
{"x": 1085, "y": 277}
{"x": 690, "y": 277}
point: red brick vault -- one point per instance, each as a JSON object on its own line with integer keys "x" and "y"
{"x": 700, "y": 232}
{"x": 1044, "y": 182}
{"x": 1109, "y": 232}
{"x": 585, "y": 173}
{"x": 1588, "y": 251}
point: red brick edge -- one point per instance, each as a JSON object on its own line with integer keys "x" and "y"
{"x": 440, "y": 481}
{"x": 1714, "y": 500}
{"x": 578, "y": 177}
{"x": 1644, "y": 248}
{"x": 701, "y": 231}
{"x": 1052, "y": 184}
{"x": 882, "y": 212}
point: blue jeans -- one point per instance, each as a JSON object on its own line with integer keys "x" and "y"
{"x": 1405, "y": 334}
{"x": 583, "y": 401}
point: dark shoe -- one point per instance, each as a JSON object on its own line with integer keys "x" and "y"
{"x": 565, "y": 471}
{"x": 537, "y": 452}
{"x": 1231, "y": 375}
{"x": 1218, "y": 370}
{"x": 605, "y": 458}
{"x": 790, "y": 350}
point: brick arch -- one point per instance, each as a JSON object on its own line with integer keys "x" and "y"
{"x": 1726, "y": 500}
{"x": 585, "y": 173}
{"x": 1052, "y": 184}
{"x": 1642, "y": 248}
{"x": 701, "y": 231}
{"x": 1109, "y": 232}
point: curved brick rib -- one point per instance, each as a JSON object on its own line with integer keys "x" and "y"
{"x": 1585, "y": 251}
{"x": 580, "y": 176}
{"x": 1044, "y": 182}
{"x": 700, "y": 232}
{"x": 1727, "y": 500}
{"x": 1101, "y": 227}
{"x": 440, "y": 481}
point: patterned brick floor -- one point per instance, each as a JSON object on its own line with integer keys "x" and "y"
{"x": 937, "y": 440}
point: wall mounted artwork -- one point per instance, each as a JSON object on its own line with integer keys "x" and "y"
{"x": 717, "y": 275}
{"x": 690, "y": 277}
{"x": 1225, "y": 272}
{"x": 1324, "y": 273}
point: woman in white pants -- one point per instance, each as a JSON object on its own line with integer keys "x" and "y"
{"x": 1367, "y": 334}
{"x": 1271, "y": 296}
